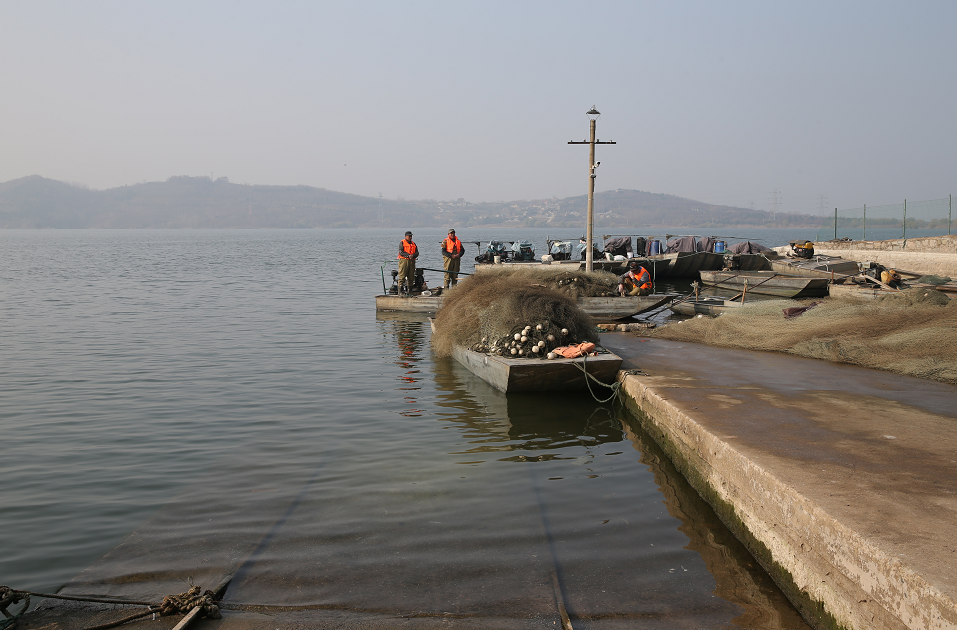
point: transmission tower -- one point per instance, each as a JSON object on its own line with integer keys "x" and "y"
{"x": 380, "y": 217}
{"x": 822, "y": 205}
{"x": 775, "y": 201}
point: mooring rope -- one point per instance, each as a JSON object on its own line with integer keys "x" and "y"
{"x": 614, "y": 387}
{"x": 182, "y": 603}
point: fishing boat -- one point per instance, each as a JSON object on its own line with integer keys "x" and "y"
{"x": 767, "y": 283}
{"x": 414, "y": 303}
{"x": 859, "y": 291}
{"x": 705, "y": 305}
{"x": 598, "y": 308}
{"x": 539, "y": 375}
{"x": 834, "y": 268}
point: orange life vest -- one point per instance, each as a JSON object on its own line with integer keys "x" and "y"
{"x": 409, "y": 248}
{"x": 452, "y": 245}
{"x": 641, "y": 277}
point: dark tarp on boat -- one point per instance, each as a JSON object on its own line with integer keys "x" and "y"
{"x": 707, "y": 244}
{"x": 682, "y": 244}
{"x": 747, "y": 247}
{"x": 618, "y": 246}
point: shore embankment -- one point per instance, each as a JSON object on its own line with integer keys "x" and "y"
{"x": 927, "y": 255}
{"x": 842, "y": 481}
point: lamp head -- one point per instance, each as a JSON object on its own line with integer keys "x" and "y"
{"x": 593, "y": 113}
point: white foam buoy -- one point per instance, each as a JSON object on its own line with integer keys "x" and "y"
{"x": 551, "y": 355}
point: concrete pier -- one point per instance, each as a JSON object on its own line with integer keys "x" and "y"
{"x": 928, "y": 255}
{"x": 842, "y": 481}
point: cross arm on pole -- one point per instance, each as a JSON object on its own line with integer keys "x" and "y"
{"x": 588, "y": 142}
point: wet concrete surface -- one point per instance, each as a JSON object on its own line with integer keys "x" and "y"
{"x": 843, "y": 478}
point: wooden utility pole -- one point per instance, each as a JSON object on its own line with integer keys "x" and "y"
{"x": 593, "y": 115}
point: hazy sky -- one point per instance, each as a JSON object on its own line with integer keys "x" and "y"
{"x": 724, "y": 102}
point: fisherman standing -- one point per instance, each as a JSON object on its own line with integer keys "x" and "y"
{"x": 452, "y": 250}
{"x": 637, "y": 281}
{"x": 408, "y": 252}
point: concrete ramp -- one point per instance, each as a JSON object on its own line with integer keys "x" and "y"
{"x": 842, "y": 481}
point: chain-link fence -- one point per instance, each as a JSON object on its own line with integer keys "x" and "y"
{"x": 896, "y": 220}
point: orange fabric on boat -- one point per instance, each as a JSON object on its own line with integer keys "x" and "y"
{"x": 571, "y": 352}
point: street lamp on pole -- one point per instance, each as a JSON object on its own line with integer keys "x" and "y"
{"x": 593, "y": 115}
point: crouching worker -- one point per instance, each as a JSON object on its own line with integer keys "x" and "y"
{"x": 891, "y": 278}
{"x": 637, "y": 281}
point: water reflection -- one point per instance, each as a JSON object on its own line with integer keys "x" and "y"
{"x": 495, "y": 422}
{"x": 408, "y": 331}
{"x": 738, "y": 576}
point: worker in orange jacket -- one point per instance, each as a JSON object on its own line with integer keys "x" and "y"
{"x": 637, "y": 281}
{"x": 408, "y": 252}
{"x": 452, "y": 250}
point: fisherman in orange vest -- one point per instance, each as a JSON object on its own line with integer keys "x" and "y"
{"x": 452, "y": 251}
{"x": 408, "y": 252}
{"x": 637, "y": 281}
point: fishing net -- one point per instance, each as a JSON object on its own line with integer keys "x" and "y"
{"x": 933, "y": 279}
{"x": 913, "y": 332}
{"x": 487, "y": 310}
{"x": 571, "y": 282}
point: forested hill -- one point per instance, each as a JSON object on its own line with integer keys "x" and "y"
{"x": 201, "y": 202}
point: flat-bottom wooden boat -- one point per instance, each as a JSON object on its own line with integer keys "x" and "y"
{"x": 768, "y": 283}
{"x": 834, "y": 268}
{"x": 539, "y": 375}
{"x": 409, "y": 304}
{"x": 711, "y": 306}
{"x": 598, "y": 308}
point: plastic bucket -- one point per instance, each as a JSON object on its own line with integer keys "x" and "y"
{"x": 719, "y": 247}
{"x": 498, "y": 260}
{"x": 654, "y": 248}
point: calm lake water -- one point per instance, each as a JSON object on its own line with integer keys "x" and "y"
{"x": 190, "y": 399}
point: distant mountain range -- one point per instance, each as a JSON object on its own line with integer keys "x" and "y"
{"x": 201, "y": 202}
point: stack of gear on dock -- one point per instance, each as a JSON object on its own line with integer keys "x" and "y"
{"x": 913, "y": 332}
{"x": 498, "y": 313}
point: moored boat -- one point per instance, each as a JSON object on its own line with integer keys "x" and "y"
{"x": 705, "y": 305}
{"x": 598, "y": 308}
{"x": 767, "y": 283}
{"x": 539, "y": 375}
{"x": 834, "y": 268}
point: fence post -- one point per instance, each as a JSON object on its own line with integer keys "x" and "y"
{"x": 864, "y": 237}
{"x": 950, "y": 209}
{"x": 904, "y": 223}
{"x": 835, "y": 224}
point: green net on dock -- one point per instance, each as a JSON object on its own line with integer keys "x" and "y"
{"x": 913, "y": 332}
{"x": 487, "y": 310}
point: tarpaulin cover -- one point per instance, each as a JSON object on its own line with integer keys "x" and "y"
{"x": 618, "y": 246}
{"x": 747, "y": 247}
{"x": 682, "y": 244}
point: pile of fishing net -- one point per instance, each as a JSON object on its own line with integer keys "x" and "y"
{"x": 571, "y": 282}
{"x": 913, "y": 332}
{"x": 486, "y": 311}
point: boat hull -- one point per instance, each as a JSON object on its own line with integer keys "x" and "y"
{"x": 768, "y": 283}
{"x": 539, "y": 375}
{"x": 598, "y": 308}
{"x": 831, "y": 267}
{"x": 705, "y": 306}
